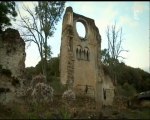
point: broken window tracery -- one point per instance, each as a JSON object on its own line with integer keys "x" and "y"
{"x": 82, "y": 54}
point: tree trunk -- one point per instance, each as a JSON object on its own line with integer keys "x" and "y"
{"x": 45, "y": 58}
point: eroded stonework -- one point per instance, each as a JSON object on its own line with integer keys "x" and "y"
{"x": 80, "y": 65}
{"x": 12, "y": 59}
{"x": 12, "y": 52}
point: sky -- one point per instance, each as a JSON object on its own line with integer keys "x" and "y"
{"x": 133, "y": 17}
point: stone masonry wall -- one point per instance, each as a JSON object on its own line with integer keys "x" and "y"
{"x": 12, "y": 52}
{"x": 80, "y": 65}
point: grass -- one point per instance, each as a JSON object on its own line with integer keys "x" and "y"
{"x": 82, "y": 107}
{"x": 61, "y": 109}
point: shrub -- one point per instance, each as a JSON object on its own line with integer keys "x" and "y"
{"x": 42, "y": 92}
{"x": 38, "y": 79}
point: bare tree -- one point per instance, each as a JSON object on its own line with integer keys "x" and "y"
{"x": 40, "y": 25}
{"x": 115, "y": 38}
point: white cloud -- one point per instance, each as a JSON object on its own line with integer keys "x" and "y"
{"x": 138, "y": 9}
{"x": 127, "y": 21}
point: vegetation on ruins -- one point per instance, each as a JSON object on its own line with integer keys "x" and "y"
{"x": 130, "y": 81}
{"x": 41, "y": 26}
{"x": 110, "y": 56}
{"x": 123, "y": 76}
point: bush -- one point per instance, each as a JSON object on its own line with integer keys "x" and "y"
{"x": 126, "y": 90}
{"x": 56, "y": 84}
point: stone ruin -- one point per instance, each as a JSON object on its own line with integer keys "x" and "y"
{"x": 80, "y": 65}
{"x": 12, "y": 62}
{"x": 12, "y": 58}
{"x": 12, "y": 52}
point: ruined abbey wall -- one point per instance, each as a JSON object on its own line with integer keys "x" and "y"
{"x": 80, "y": 65}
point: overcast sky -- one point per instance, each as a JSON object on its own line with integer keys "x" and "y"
{"x": 133, "y": 17}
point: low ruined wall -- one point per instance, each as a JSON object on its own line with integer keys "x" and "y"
{"x": 12, "y": 52}
{"x": 108, "y": 91}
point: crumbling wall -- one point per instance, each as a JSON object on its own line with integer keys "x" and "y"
{"x": 80, "y": 65}
{"x": 12, "y": 52}
{"x": 108, "y": 91}
{"x": 12, "y": 64}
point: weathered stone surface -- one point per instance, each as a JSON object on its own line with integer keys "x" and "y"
{"x": 12, "y": 63}
{"x": 7, "y": 89}
{"x": 12, "y": 52}
{"x": 80, "y": 65}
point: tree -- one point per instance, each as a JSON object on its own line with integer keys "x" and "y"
{"x": 7, "y": 12}
{"x": 42, "y": 26}
{"x": 115, "y": 39}
{"x": 105, "y": 57}
{"x": 49, "y": 53}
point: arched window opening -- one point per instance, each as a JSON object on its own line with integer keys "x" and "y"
{"x": 81, "y": 30}
{"x": 87, "y": 55}
{"x": 80, "y": 53}
{"x": 77, "y": 53}
{"x": 84, "y": 54}
{"x": 104, "y": 93}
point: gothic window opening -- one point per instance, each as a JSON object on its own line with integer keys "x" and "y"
{"x": 104, "y": 93}
{"x": 80, "y": 53}
{"x": 77, "y": 53}
{"x": 86, "y": 54}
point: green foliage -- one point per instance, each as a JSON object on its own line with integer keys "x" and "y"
{"x": 52, "y": 67}
{"x": 49, "y": 14}
{"x": 53, "y": 74}
{"x": 7, "y": 9}
{"x": 105, "y": 57}
{"x": 49, "y": 52}
{"x": 41, "y": 26}
{"x": 64, "y": 113}
{"x": 129, "y": 90}
{"x": 56, "y": 84}
{"x": 142, "y": 114}
{"x": 30, "y": 72}
{"x": 126, "y": 90}
{"x": 135, "y": 77}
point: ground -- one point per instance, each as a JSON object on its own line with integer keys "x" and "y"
{"x": 83, "y": 107}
